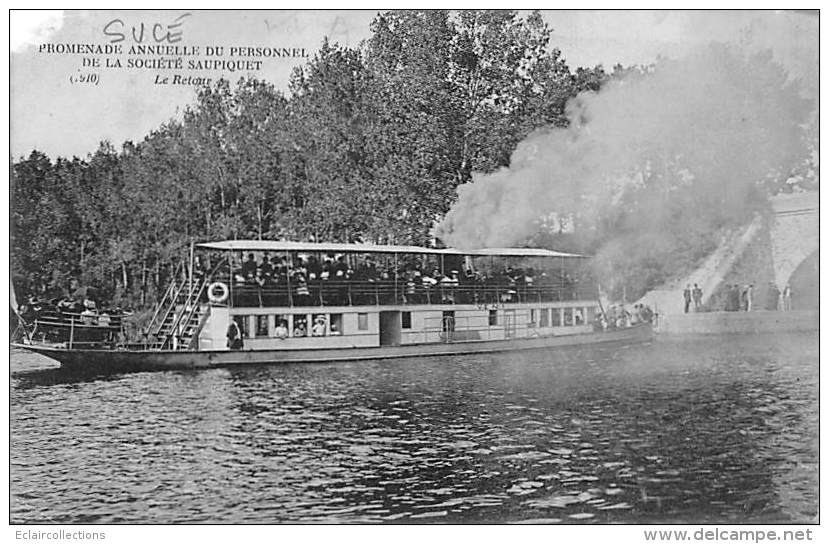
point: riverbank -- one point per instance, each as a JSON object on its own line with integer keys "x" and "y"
{"x": 738, "y": 322}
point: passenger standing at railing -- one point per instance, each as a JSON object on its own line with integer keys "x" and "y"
{"x": 259, "y": 279}
{"x": 428, "y": 284}
{"x": 340, "y": 268}
{"x": 469, "y": 276}
{"x": 448, "y": 286}
{"x": 88, "y": 317}
{"x": 302, "y": 293}
{"x": 281, "y": 268}
{"x": 249, "y": 267}
{"x": 411, "y": 287}
{"x": 104, "y": 320}
{"x": 266, "y": 268}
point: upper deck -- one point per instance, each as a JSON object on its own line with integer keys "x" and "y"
{"x": 261, "y": 273}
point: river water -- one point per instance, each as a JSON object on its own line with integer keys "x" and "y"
{"x": 703, "y": 429}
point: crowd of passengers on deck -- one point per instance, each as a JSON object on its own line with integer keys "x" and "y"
{"x": 335, "y": 280}
{"x": 75, "y": 302}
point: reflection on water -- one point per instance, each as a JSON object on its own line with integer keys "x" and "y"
{"x": 707, "y": 429}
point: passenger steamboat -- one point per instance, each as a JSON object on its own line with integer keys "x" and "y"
{"x": 253, "y": 302}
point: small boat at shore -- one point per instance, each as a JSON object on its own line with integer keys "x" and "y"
{"x": 316, "y": 302}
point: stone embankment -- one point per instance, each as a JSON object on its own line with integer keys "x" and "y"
{"x": 760, "y": 321}
{"x": 765, "y": 253}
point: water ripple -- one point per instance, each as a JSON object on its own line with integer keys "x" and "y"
{"x": 688, "y": 431}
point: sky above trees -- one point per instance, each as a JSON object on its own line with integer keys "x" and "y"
{"x": 57, "y": 117}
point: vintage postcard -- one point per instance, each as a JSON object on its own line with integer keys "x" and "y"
{"x": 415, "y": 267}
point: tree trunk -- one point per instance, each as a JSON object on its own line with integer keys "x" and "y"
{"x": 157, "y": 275}
{"x": 143, "y": 281}
{"x": 124, "y": 274}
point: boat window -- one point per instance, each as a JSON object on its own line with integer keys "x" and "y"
{"x": 493, "y": 318}
{"x": 590, "y": 314}
{"x": 531, "y": 322}
{"x": 406, "y": 320}
{"x": 318, "y": 327}
{"x": 280, "y": 326}
{"x": 544, "y": 317}
{"x": 578, "y": 316}
{"x": 300, "y": 326}
{"x": 362, "y": 322}
{"x": 335, "y": 324}
{"x": 242, "y": 321}
{"x": 568, "y": 317}
{"x": 556, "y": 321}
{"x": 261, "y": 325}
{"x": 448, "y": 322}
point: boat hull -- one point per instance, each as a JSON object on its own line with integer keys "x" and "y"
{"x": 126, "y": 360}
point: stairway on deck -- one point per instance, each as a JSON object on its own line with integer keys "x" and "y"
{"x": 181, "y": 314}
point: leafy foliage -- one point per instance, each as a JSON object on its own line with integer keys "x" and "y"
{"x": 369, "y": 144}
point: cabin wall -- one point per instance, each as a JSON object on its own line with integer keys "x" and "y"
{"x": 349, "y": 319}
{"x": 509, "y": 321}
{"x": 359, "y": 326}
{"x": 213, "y": 334}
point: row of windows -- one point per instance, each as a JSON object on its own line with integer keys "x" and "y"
{"x": 300, "y": 325}
{"x": 558, "y": 317}
{"x": 295, "y": 325}
{"x": 553, "y": 317}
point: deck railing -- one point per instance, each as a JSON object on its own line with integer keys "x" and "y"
{"x": 384, "y": 293}
{"x": 71, "y": 319}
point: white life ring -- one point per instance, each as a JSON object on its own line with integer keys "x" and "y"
{"x": 217, "y": 298}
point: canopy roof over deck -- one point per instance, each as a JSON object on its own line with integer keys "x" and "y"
{"x": 277, "y": 246}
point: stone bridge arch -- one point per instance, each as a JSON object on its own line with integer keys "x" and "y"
{"x": 783, "y": 250}
{"x": 794, "y": 233}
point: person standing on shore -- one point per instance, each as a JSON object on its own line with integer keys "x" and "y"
{"x": 749, "y": 297}
{"x": 787, "y": 298}
{"x": 697, "y": 295}
{"x": 686, "y": 294}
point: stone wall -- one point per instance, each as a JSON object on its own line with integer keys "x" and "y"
{"x": 795, "y": 232}
{"x": 755, "y": 266}
{"x": 769, "y": 249}
{"x": 738, "y": 322}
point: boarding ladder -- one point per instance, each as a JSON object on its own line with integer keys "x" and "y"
{"x": 180, "y": 315}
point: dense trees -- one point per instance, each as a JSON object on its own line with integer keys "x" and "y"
{"x": 373, "y": 143}
{"x": 367, "y": 144}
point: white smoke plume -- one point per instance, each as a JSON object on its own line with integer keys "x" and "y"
{"x": 705, "y": 128}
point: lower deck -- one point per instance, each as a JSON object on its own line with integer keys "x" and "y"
{"x": 280, "y": 328}
{"x": 127, "y": 360}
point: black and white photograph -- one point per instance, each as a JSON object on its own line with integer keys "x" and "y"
{"x": 417, "y": 267}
